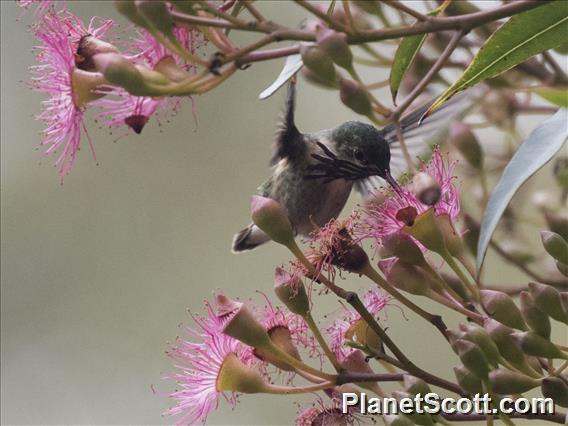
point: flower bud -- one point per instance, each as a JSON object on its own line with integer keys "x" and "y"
{"x": 555, "y": 246}
{"x": 423, "y": 419}
{"x": 291, "y": 292}
{"x": 414, "y": 386}
{"x": 456, "y": 284}
{"x": 128, "y": 9}
{"x": 466, "y": 142}
{"x": 404, "y": 247}
{"x": 272, "y": 219}
{"x": 537, "y": 320}
{"x": 167, "y": 67}
{"x": 532, "y": 344}
{"x": 355, "y": 96}
{"x": 240, "y": 323}
{"x": 473, "y": 358}
{"x": 398, "y": 420}
{"x": 547, "y": 299}
{"x": 500, "y": 306}
{"x": 318, "y": 62}
{"x": 157, "y": 15}
{"x": 476, "y": 334}
{"x": 282, "y": 338}
{"x": 557, "y": 223}
{"x": 562, "y": 268}
{"x": 120, "y": 72}
{"x": 335, "y": 45}
{"x": 426, "y": 188}
{"x": 452, "y": 238}
{"x": 468, "y": 381}
{"x": 355, "y": 361}
{"x": 453, "y": 336}
{"x": 508, "y": 382}
{"x": 501, "y": 335}
{"x": 404, "y": 276}
{"x": 425, "y": 230}
{"x": 315, "y": 79}
{"x": 557, "y": 389}
{"x": 237, "y": 377}
{"x": 84, "y": 84}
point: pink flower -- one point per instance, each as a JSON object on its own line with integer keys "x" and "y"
{"x": 120, "y": 108}
{"x": 383, "y": 220}
{"x": 59, "y": 35}
{"x": 199, "y": 364}
{"x": 374, "y": 301}
{"x": 330, "y": 413}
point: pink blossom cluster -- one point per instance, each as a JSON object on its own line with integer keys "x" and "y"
{"x": 57, "y": 75}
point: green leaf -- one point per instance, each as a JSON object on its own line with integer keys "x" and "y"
{"x": 406, "y": 52}
{"x": 292, "y": 65}
{"x": 541, "y": 145}
{"x": 522, "y": 36}
{"x": 554, "y": 95}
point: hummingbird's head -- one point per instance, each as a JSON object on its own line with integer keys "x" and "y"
{"x": 360, "y": 151}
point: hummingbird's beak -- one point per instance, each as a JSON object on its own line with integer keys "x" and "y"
{"x": 393, "y": 183}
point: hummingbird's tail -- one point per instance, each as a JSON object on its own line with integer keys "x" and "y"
{"x": 248, "y": 239}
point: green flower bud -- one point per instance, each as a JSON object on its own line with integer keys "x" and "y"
{"x": 467, "y": 380}
{"x": 335, "y": 45}
{"x": 414, "y": 386}
{"x": 241, "y": 323}
{"x": 237, "y": 377}
{"x": 355, "y": 96}
{"x": 404, "y": 247}
{"x": 557, "y": 389}
{"x": 128, "y": 9}
{"x": 313, "y": 78}
{"x": 424, "y": 419}
{"x": 452, "y": 238}
{"x": 473, "y": 358}
{"x": 425, "y": 230}
{"x": 167, "y": 66}
{"x": 426, "y": 188}
{"x": 547, "y": 299}
{"x": 501, "y": 335}
{"x": 467, "y": 144}
{"x": 272, "y": 219}
{"x": 562, "y": 268}
{"x": 501, "y": 307}
{"x": 476, "y": 334}
{"x": 156, "y": 14}
{"x": 318, "y": 62}
{"x": 453, "y": 336}
{"x": 405, "y": 277}
{"x": 537, "y": 320}
{"x": 119, "y": 71}
{"x": 555, "y": 246}
{"x": 557, "y": 223}
{"x": 508, "y": 382}
{"x": 533, "y": 344}
{"x": 291, "y": 292}
{"x": 282, "y": 338}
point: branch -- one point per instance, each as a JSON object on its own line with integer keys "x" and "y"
{"x": 395, "y": 4}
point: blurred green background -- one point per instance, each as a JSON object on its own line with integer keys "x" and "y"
{"x": 97, "y": 273}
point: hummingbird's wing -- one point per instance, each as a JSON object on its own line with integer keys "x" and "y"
{"x": 418, "y": 136}
{"x": 289, "y": 143}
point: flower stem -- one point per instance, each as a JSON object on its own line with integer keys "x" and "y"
{"x": 321, "y": 340}
{"x": 456, "y": 307}
{"x": 374, "y": 276}
{"x": 289, "y": 359}
{"x": 455, "y": 267}
{"x": 289, "y": 390}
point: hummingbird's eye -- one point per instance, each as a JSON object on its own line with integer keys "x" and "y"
{"x": 359, "y": 156}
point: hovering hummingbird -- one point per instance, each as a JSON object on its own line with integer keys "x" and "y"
{"x": 313, "y": 173}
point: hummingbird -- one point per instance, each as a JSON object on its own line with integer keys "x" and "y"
{"x": 313, "y": 174}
